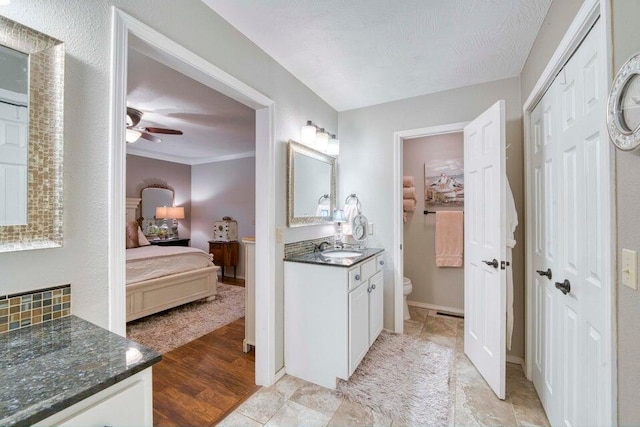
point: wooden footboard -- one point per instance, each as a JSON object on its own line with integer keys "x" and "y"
{"x": 155, "y": 295}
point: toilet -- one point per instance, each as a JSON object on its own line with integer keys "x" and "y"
{"x": 407, "y": 288}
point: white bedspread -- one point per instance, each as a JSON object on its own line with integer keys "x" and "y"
{"x": 150, "y": 262}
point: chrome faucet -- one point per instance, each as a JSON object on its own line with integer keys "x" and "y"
{"x": 322, "y": 246}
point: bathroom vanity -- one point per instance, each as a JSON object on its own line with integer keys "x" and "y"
{"x": 333, "y": 309}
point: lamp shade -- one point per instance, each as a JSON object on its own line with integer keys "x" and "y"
{"x": 339, "y": 216}
{"x": 176, "y": 212}
{"x": 333, "y": 148}
{"x": 162, "y": 212}
{"x": 322, "y": 140}
{"x": 308, "y": 133}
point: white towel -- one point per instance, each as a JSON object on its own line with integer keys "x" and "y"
{"x": 350, "y": 211}
{"x": 512, "y": 223}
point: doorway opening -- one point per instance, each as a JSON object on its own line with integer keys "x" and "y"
{"x": 180, "y": 59}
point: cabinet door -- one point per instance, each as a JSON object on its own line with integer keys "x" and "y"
{"x": 376, "y": 301}
{"x": 358, "y": 325}
{"x": 216, "y": 250}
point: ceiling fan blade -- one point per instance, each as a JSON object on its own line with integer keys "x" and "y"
{"x": 149, "y": 137}
{"x": 163, "y": 131}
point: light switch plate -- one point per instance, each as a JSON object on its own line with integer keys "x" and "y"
{"x": 370, "y": 228}
{"x": 630, "y": 268}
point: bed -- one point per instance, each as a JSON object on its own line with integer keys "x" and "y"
{"x": 163, "y": 277}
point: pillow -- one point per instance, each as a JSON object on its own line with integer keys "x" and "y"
{"x": 132, "y": 235}
{"x": 142, "y": 239}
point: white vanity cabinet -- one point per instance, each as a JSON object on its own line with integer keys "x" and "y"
{"x": 332, "y": 317}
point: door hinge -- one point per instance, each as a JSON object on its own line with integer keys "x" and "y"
{"x": 504, "y": 265}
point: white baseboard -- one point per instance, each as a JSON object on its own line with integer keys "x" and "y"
{"x": 515, "y": 359}
{"x": 436, "y": 307}
{"x": 279, "y": 375}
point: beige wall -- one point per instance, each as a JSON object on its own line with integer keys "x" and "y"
{"x": 366, "y": 166}
{"x": 626, "y": 42}
{"x": 555, "y": 24}
{"x": 431, "y": 284}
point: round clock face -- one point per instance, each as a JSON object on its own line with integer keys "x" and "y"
{"x": 623, "y": 108}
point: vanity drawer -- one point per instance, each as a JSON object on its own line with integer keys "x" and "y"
{"x": 379, "y": 262}
{"x": 368, "y": 269}
{"x": 355, "y": 278}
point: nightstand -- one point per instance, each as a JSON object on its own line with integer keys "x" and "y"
{"x": 170, "y": 242}
{"x": 225, "y": 254}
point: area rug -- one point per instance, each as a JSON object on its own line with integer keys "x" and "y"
{"x": 172, "y": 328}
{"x": 404, "y": 378}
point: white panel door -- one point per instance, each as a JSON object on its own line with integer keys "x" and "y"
{"x": 485, "y": 246}
{"x": 13, "y": 164}
{"x": 571, "y": 358}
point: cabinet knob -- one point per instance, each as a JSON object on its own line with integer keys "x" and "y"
{"x": 373, "y": 286}
{"x": 369, "y": 289}
{"x": 357, "y": 277}
{"x": 381, "y": 262}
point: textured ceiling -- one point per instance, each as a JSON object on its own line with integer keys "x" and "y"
{"x": 357, "y": 53}
{"x": 215, "y": 126}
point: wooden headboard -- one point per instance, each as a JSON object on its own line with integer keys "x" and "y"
{"x": 132, "y": 208}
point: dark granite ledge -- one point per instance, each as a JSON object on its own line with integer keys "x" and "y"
{"x": 317, "y": 258}
{"x": 48, "y": 367}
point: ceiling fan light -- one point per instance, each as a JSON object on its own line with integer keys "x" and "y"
{"x": 132, "y": 135}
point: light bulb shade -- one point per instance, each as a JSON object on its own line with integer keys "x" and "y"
{"x": 132, "y": 135}
{"x": 339, "y": 216}
{"x": 333, "y": 148}
{"x": 308, "y": 133}
{"x": 322, "y": 140}
{"x": 162, "y": 212}
{"x": 176, "y": 212}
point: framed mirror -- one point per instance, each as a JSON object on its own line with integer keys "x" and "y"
{"x": 311, "y": 186}
{"x": 152, "y": 197}
{"x": 623, "y": 106}
{"x": 31, "y": 138}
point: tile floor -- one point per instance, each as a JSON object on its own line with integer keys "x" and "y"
{"x": 294, "y": 402}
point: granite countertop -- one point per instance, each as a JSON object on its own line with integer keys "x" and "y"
{"x": 317, "y": 258}
{"x": 48, "y": 367}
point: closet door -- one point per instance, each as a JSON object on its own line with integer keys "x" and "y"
{"x": 544, "y": 139}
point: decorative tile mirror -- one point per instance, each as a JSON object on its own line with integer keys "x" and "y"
{"x": 31, "y": 138}
{"x": 311, "y": 189}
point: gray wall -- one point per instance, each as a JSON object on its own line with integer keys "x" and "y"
{"x": 626, "y": 42}
{"x": 223, "y": 189}
{"x": 431, "y": 284}
{"x": 143, "y": 172}
{"x": 85, "y": 27}
{"x": 555, "y": 24}
{"x": 366, "y": 165}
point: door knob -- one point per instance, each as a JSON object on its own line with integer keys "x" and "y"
{"x": 565, "y": 287}
{"x": 493, "y": 263}
{"x": 545, "y": 273}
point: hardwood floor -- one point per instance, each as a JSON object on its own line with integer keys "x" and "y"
{"x": 232, "y": 281}
{"x": 201, "y": 382}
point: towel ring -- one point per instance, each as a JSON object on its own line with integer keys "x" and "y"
{"x": 323, "y": 197}
{"x": 353, "y": 198}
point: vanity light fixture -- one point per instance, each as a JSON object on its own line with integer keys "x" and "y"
{"x": 308, "y": 134}
{"x": 319, "y": 139}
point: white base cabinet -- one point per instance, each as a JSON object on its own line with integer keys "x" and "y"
{"x": 127, "y": 403}
{"x": 332, "y": 317}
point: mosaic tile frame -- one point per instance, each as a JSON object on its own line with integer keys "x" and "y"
{"x": 44, "y": 228}
{"x": 34, "y": 307}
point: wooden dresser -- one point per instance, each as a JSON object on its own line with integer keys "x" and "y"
{"x": 225, "y": 254}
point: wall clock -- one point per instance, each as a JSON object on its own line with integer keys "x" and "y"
{"x": 623, "y": 107}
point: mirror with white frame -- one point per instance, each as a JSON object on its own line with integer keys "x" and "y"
{"x": 311, "y": 189}
{"x": 31, "y": 138}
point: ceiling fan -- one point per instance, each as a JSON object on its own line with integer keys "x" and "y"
{"x": 134, "y": 133}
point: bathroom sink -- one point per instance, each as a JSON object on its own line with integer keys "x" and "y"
{"x": 341, "y": 254}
